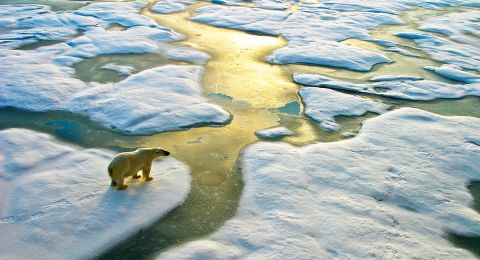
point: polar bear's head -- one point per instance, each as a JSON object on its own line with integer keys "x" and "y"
{"x": 155, "y": 152}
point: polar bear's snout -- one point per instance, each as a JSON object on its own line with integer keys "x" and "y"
{"x": 162, "y": 152}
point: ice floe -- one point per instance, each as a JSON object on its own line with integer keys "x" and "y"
{"x": 123, "y": 13}
{"x": 459, "y": 26}
{"x": 272, "y": 4}
{"x": 390, "y": 192}
{"x": 121, "y": 70}
{"x": 402, "y": 51}
{"x": 57, "y": 202}
{"x": 394, "y": 78}
{"x": 171, "y": 6}
{"x": 460, "y": 46}
{"x": 323, "y": 105}
{"x": 32, "y": 23}
{"x": 274, "y": 133}
{"x": 23, "y": 24}
{"x": 155, "y": 100}
{"x": 446, "y": 50}
{"x": 407, "y": 89}
{"x": 42, "y": 79}
{"x": 29, "y": 80}
{"x": 455, "y": 73}
{"x": 328, "y": 53}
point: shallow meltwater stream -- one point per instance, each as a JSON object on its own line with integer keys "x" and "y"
{"x": 257, "y": 94}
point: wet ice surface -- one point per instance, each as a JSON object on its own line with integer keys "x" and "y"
{"x": 57, "y": 202}
{"x": 324, "y": 104}
{"x": 405, "y": 89}
{"x": 274, "y": 133}
{"x": 381, "y": 194}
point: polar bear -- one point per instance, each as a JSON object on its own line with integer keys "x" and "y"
{"x": 129, "y": 163}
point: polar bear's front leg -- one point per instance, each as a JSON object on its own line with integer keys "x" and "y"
{"x": 146, "y": 172}
{"x": 120, "y": 184}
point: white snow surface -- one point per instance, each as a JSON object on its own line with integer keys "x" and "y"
{"x": 323, "y": 105}
{"x": 459, "y": 26}
{"x": 155, "y": 100}
{"x": 328, "y": 53}
{"x": 274, "y": 133}
{"x": 445, "y": 50}
{"x": 407, "y": 89}
{"x": 394, "y": 78}
{"x": 30, "y": 23}
{"x": 120, "y": 69}
{"x": 30, "y": 80}
{"x": 23, "y": 24}
{"x": 57, "y": 202}
{"x": 171, "y": 6}
{"x": 455, "y": 73}
{"x": 390, "y": 192}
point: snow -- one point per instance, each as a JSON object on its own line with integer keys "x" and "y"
{"x": 304, "y": 34}
{"x": 407, "y": 89}
{"x": 390, "y": 192}
{"x": 160, "y": 99}
{"x": 121, "y": 70}
{"x": 318, "y": 29}
{"x": 328, "y": 53}
{"x": 170, "y": 6}
{"x": 29, "y": 80}
{"x": 272, "y": 4}
{"x": 32, "y": 23}
{"x": 402, "y": 51}
{"x": 322, "y": 105}
{"x": 42, "y": 79}
{"x": 458, "y": 26}
{"x": 273, "y": 133}
{"x": 447, "y": 51}
{"x": 394, "y": 78}
{"x": 23, "y": 24}
{"x": 57, "y": 202}
{"x": 123, "y": 13}
{"x": 455, "y": 73}
{"x": 99, "y": 41}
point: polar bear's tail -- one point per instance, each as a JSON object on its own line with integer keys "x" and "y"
{"x": 110, "y": 171}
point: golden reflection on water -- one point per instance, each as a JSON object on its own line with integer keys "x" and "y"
{"x": 237, "y": 67}
{"x": 212, "y": 152}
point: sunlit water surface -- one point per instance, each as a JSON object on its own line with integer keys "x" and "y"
{"x": 258, "y": 95}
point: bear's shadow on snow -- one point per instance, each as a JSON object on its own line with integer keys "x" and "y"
{"x": 117, "y": 203}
